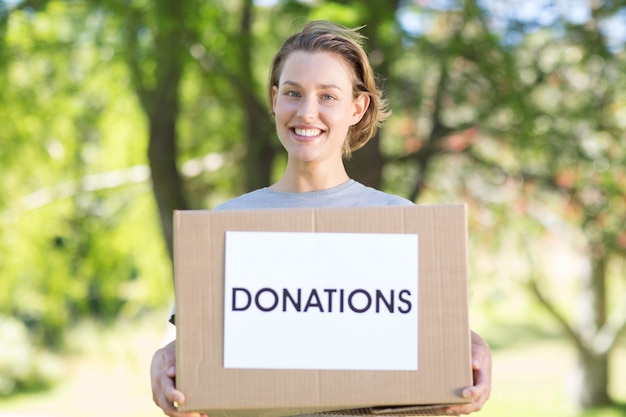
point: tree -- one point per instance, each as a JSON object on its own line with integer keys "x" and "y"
{"x": 542, "y": 140}
{"x": 157, "y": 70}
{"x": 159, "y": 66}
{"x": 571, "y": 164}
{"x": 260, "y": 151}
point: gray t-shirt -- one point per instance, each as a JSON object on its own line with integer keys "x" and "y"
{"x": 349, "y": 194}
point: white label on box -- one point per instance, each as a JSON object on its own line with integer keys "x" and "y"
{"x": 321, "y": 301}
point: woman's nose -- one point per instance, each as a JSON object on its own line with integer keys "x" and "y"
{"x": 308, "y": 108}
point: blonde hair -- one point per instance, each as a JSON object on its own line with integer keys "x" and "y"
{"x": 322, "y": 36}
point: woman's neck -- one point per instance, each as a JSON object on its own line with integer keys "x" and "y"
{"x": 310, "y": 178}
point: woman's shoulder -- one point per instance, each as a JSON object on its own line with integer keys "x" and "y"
{"x": 251, "y": 200}
{"x": 370, "y": 196}
{"x": 349, "y": 194}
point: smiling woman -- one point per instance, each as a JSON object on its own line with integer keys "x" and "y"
{"x": 326, "y": 104}
{"x": 349, "y": 54}
{"x": 314, "y": 108}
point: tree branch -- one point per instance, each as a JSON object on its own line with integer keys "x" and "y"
{"x": 130, "y": 56}
{"x": 576, "y": 338}
{"x": 609, "y": 334}
{"x": 439, "y": 130}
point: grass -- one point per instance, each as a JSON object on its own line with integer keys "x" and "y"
{"x": 107, "y": 373}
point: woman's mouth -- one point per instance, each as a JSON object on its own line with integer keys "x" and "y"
{"x": 307, "y": 133}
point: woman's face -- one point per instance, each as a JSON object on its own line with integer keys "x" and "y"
{"x": 314, "y": 106}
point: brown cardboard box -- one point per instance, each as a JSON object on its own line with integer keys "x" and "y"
{"x": 444, "y": 350}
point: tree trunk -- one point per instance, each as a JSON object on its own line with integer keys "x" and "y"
{"x": 594, "y": 342}
{"x": 366, "y": 164}
{"x": 591, "y": 388}
{"x": 594, "y": 361}
{"x": 166, "y": 180}
{"x": 258, "y": 126}
{"x": 161, "y": 104}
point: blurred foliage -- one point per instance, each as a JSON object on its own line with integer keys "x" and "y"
{"x": 23, "y": 366}
{"x": 74, "y": 243}
{"x": 520, "y": 117}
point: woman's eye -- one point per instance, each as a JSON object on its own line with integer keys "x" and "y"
{"x": 292, "y": 94}
{"x": 327, "y": 97}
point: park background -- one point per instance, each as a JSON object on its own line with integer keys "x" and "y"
{"x": 115, "y": 112}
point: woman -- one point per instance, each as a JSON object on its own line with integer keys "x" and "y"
{"x": 326, "y": 104}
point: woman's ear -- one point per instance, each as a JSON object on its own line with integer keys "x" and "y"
{"x": 361, "y": 103}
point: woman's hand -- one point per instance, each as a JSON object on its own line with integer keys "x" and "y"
{"x": 163, "y": 377}
{"x": 165, "y": 394}
{"x": 481, "y": 365}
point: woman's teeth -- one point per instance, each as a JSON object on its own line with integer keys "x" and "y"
{"x": 307, "y": 132}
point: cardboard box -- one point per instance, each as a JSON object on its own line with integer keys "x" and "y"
{"x": 442, "y": 366}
